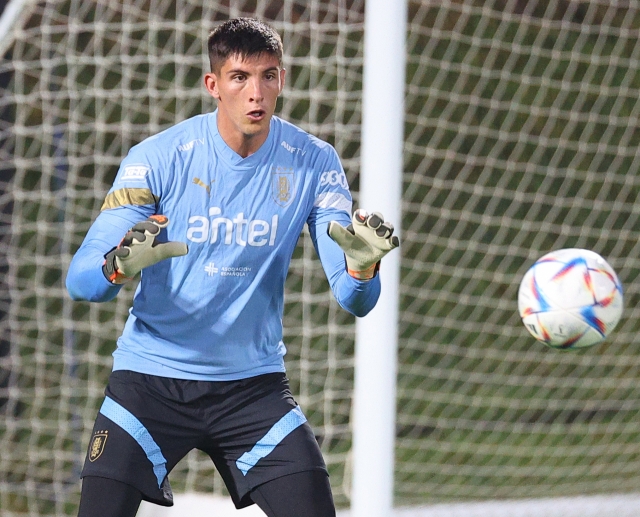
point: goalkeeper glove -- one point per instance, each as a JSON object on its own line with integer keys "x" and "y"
{"x": 364, "y": 242}
{"x": 139, "y": 249}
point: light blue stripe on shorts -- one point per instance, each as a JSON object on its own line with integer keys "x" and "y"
{"x": 125, "y": 419}
{"x": 289, "y": 422}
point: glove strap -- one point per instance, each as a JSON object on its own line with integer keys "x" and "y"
{"x": 111, "y": 271}
{"x": 367, "y": 274}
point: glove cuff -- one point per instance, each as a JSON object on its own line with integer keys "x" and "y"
{"x": 110, "y": 269}
{"x": 367, "y": 274}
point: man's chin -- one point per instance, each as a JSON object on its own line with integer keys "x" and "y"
{"x": 256, "y": 129}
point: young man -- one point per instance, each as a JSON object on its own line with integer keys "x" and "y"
{"x": 210, "y": 211}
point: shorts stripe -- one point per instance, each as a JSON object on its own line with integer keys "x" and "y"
{"x": 289, "y": 422}
{"x": 120, "y": 416}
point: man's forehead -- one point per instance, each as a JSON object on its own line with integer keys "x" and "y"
{"x": 262, "y": 61}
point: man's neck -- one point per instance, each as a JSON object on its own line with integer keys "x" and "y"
{"x": 242, "y": 144}
{"x": 245, "y": 146}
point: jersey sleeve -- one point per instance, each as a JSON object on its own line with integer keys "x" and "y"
{"x": 134, "y": 197}
{"x": 333, "y": 202}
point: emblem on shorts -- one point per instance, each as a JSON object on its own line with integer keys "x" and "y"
{"x": 282, "y": 185}
{"x": 97, "y": 444}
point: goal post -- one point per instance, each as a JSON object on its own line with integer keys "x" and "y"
{"x": 10, "y": 17}
{"x": 376, "y": 340}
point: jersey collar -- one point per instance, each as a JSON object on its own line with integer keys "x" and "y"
{"x": 232, "y": 158}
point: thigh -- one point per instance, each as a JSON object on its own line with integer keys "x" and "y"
{"x": 262, "y": 435}
{"x": 304, "y": 493}
{"x": 140, "y": 434}
{"x": 102, "y": 497}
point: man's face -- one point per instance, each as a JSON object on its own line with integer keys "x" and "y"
{"x": 247, "y": 91}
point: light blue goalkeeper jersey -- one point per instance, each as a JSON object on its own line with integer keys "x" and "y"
{"x": 216, "y": 313}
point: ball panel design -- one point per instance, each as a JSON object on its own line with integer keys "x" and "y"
{"x": 570, "y": 298}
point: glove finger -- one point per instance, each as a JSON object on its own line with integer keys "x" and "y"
{"x": 375, "y": 220}
{"x": 386, "y": 243}
{"x": 340, "y": 234}
{"x": 385, "y": 230}
{"x": 132, "y": 235}
{"x": 122, "y": 252}
{"x": 391, "y": 242}
{"x": 171, "y": 249}
{"x": 359, "y": 216}
{"x": 159, "y": 220}
{"x": 146, "y": 227}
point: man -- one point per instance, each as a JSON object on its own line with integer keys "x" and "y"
{"x": 211, "y": 210}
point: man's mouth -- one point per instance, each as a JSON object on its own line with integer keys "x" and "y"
{"x": 256, "y": 114}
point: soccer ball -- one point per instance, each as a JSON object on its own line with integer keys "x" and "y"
{"x": 570, "y": 298}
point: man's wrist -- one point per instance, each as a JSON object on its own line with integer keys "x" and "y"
{"x": 111, "y": 271}
{"x": 366, "y": 274}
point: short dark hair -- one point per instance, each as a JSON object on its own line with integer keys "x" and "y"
{"x": 244, "y": 37}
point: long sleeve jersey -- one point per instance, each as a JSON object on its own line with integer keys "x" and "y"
{"x": 216, "y": 313}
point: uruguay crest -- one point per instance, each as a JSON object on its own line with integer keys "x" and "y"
{"x": 97, "y": 445}
{"x": 282, "y": 185}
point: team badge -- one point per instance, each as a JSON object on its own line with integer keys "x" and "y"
{"x": 97, "y": 444}
{"x": 282, "y": 185}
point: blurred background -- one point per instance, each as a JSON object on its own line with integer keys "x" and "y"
{"x": 521, "y": 137}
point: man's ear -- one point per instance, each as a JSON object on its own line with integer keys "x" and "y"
{"x": 211, "y": 84}
{"x": 283, "y": 72}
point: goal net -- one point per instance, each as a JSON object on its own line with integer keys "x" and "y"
{"x": 521, "y": 137}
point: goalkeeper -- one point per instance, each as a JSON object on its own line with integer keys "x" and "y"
{"x": 209, "y": 213}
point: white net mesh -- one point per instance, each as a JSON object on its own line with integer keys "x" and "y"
{"x": 83, "y": 82}
{"x": 521, "y": 137}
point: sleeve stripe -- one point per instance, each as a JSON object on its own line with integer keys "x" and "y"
{"x": 129, "y": 196}
{"x": 333, "y": 200}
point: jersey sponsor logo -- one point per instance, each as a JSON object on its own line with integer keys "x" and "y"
{"x": 96, "y": 448}
{"x": 239, "y": 230}
{"x": 190, "y": 145}
{"x": 136, "y": 172}
{"x": 200, "y": 183}
{"x": 282, "y": 185}
{"x": 211, "y": 269}
{"x": 234, "y": 270}
{"x": 334, "y": 178}
{"x": 293, "y": 150}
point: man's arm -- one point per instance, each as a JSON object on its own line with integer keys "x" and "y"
{"x": 140, "y": 249}
{"x": 85, "y": 279}
{"x": 100, "y": 267}
{"x": 355, "y": 296}
{"x": 365, "y": 241}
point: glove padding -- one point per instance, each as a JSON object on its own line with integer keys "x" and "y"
{"x": 365, "y": 241}
{"x": 139, "y": 249}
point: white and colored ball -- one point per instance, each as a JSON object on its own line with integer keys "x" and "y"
{"x": 570, "y": 298}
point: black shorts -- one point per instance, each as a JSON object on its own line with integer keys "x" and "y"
{"x": 252, "y": 429}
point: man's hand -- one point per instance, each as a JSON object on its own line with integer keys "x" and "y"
{"x": 139, "y": 249}
{"x": 365, "y": 241}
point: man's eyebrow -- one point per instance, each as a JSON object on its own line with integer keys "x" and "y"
{"x": 245, "y": 72}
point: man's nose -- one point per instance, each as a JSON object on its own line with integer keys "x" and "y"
{"x": 256, "y": 90}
